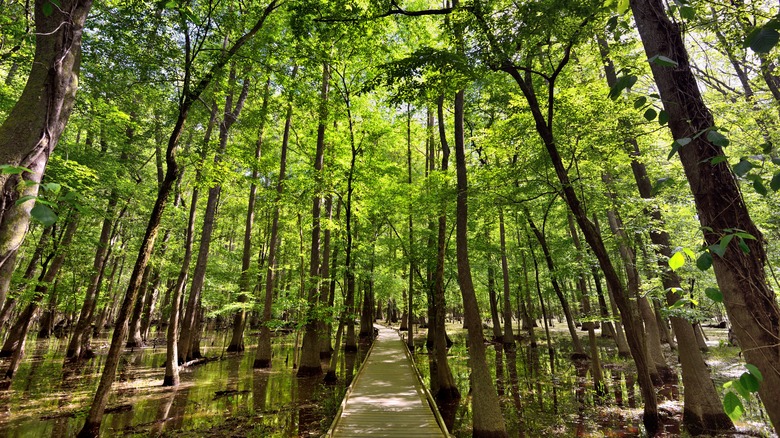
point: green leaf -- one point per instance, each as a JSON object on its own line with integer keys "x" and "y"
{"x": 52, "y": 187}
{"x": 704, "y": 261}
{"x": 762, "y": 39}
{"x": 681, "y": 303}
{"x": 622, "y": 6}
{"x": 660, "y": 183}
{"x": 677, "y": 260}
{"x": 752, "y": 369}
{"x": 677, "y": 144}
{"x": 775, "y": 183}
{"x": 689, "y": 252}
{"x": 663, "y": 61}
{"x": 776, "y": 161}
{"x": 719, "y": 159}
{"x": 743, "y": 167}
{"x": 758, "y": 186}
{"x": 675, "y": 147}
{"x": 741, "y": 390}
{"x": 650, "y": 114}
{"x": 717, "y": 138}
{"x": 749, "y": 382}
{"x": 640, "y": 102}
{"x": 745, "y": 235}
{"x": 733, "y": 406}
{"x": 44, "y": 215}
{"x": 7, "y": 169}
{"x": 724, "y": 242}
{"x": 714, "y": 294}
{"x": 24, "y": 199}
{"x": 717, "y": 250}
{"x": 743, "y": 246}
{"x": 622, "y": 83}
{"x": 663, "y": 118}
{"x": 687, "y": 13}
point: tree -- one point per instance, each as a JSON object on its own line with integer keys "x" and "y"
{"x": 32, "y": 129}
{"x": 739, "y": 269}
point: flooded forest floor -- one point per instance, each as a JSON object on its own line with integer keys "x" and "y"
{"x": 541, "y": 397}
{"x": 225, "y": 397}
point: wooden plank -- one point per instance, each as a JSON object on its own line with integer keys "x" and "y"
{"x": 386, "y": 398}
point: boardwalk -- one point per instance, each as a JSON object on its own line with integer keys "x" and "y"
{"x": 386, "y": 398}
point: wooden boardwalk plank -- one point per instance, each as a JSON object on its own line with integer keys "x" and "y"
{"x": 386, "y": 398}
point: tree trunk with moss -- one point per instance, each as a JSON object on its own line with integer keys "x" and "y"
{"x": 34, "y": 125}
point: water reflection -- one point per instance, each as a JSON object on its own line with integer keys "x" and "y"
{"x": 49, "y": 399}
{"x": 538, "y": 403}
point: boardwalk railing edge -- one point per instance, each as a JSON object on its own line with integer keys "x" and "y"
{"x": 428, "y": 395}
{"x": 336, "y": 419}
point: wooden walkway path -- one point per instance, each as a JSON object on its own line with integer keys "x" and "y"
{"x": 387, "y": 399}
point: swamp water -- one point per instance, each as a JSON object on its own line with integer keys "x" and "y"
{"x": 538, "y": 403}
{"x": 224, "y": 397}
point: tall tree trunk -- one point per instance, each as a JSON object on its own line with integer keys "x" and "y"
{"x": 239, "y": 321}
{"x": 310, "y": 356}
{"x": 543, "y": 121}
{"x": 189, "y": 340}
{"x": 134, "y": 329}
{"x": 410, "y": 306}
{"x": 750, "y": 303}
{"x": 351, "y": 229}
{"x": 509, "y": 336}
{"x": 33, "y": 127}
{"x": 447, "y": 389}
{"x": 152, "y": 297}
{"x": 579, "y": 352}
{"x": 498, "y": 335}
{"x": 595, "y": 362}
{"x": 529, "y": 319}
{"x": 79, "y": 341}
{"x": 628, "y": 312}
{"x": 263, "y": 354}
{"x": 46, "y": 321}
{"x": 659, "y": 369}
{"x": 488, "y": 420}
